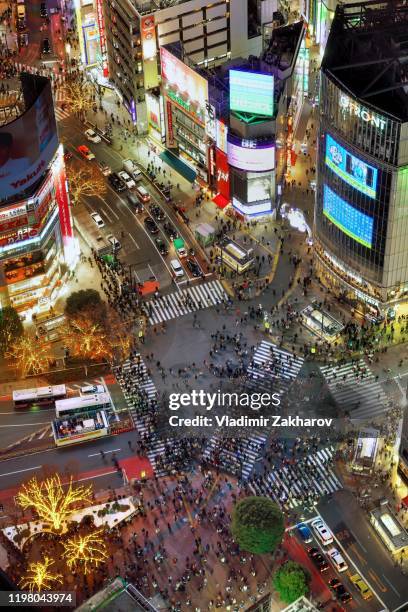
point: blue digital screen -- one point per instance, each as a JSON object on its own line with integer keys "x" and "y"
{"x": 251, "y": 92}
{"x": 354, "y": 171}
{"x": 351, "y": 221}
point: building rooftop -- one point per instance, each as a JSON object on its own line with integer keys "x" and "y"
{"x": 123, "y": 597}
{"x": 367, "y": 54}
{"x": 389, "y": 527}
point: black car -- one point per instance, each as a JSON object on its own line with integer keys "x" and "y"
{"x": 157, "y": 212}
{"x": 21, "y": 24}
{"x": 43, "y": 10}
{"x": 46, "y": 47}
{"x": 318, "y": 559}
{"x": 342, "y": 594}
{"x": 116, "y": 182}
{"x": 193, "y": 266}
{"x": 170, "y": 231}
{"x": 151, "y": 226}
{"x": 161, "y": 246}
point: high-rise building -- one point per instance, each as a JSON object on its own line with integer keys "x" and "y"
{"x": 361, "y": 221}
{"x": 210, "y": 32}
{"x": 37, "y": 247}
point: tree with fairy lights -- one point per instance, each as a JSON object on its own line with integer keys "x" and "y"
{"x": 51, "y": 500}
{"x": 87, "y": 339}
{"x": 78, "y": 96}
{"x": 39, "y": 577}
{"x": 84, "y": 181}
{"x": 85, "y": 552}
{"x": 32, "y": 356}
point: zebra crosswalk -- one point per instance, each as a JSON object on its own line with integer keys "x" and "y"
{"x": 61, "y": 114}
{"x": 355, "y": 389}
{"x": 300, "y": 484}
{"x": 190, "y": 299}
{"x": 235, "y": 455}
{"x": 272, "y": 366}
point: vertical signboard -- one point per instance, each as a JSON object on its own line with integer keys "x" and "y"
{"x": 102, "y": 37}
{"x": 61, "y": 195}
{"x": 223, "y": 184}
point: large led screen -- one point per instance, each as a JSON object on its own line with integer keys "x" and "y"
{"x": 251, "y": 92}
{"x": 183, "y": 85}
{"x": 27, "y": 145}
{"x": 351, "y": 221}
{"x": 354, "y": 171}
{"x": 260, "y": 158}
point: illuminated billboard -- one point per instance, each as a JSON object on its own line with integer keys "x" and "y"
{"x": 251, "y": 155}
{"x": 251, "y": 92}
{"x": 183, "y": 86}
{"x": 223, "y": 179}
{"x": 27, "y": 145}
{"x": 351, "y": 169}
{"x": 351, "y": 221}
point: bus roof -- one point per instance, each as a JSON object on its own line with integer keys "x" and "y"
{"x": 39, "y": 392}
{"x": 82, "y": 402}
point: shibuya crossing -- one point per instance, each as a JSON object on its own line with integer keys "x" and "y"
{"x": 203, "y": 305}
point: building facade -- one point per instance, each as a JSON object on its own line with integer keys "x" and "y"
{"x": 361, "y": 224}
{"x": 37, "y": 246}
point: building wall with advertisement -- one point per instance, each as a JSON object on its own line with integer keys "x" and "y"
{"x": 37, "y": 245}
{"x": 361, "y": 226}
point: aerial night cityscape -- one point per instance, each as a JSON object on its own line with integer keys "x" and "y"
{"x": 204, "y": 305}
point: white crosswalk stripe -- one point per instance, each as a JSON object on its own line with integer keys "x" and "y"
{"x": 273, "y": 366}
{"x": 294, "y": 486}
{"x": 190, "y": 299}
{"x": 60, "y": 114}
{"x": 60, "y": 95}
{"x": 235, "y": 455}
{"x": 158, "y": 449}
{"x": 355, "y": 389}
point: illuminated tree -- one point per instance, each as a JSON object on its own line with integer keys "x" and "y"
{"x": 78, "y": 96}
{"x": 119, "y": 335}
{"x": 84, "y": 181}
{"x": 39, "y": 577}
{"x": 11, "y": 328}
{"x": 51, "y": 501}
{"x": 31, "y": 355}
{"x": 87, "y": 339}
{"x": 85, "y": 551}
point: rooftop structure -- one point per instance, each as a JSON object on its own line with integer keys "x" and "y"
{"x": 388, "y": 527}
{"x": 366, "y": 53}
{"x": 119, "y": 595}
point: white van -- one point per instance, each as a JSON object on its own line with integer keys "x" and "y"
{"x": 176, "y": 267}
{"x": 131, "y": 168}
{"x": 337, "y": 560}
{"x": 142, "y": 194}
{"x": 91, "y": 389}
{"x": 322, "y": 531}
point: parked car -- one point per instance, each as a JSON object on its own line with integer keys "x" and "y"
{"x": 161, "y": 247}
{"x": 92, "y": 136}
{"x": 114, "y": 242}
{"x": 305, "y": 533}
{"x": 170, "y": 231}
{"x": 46, "y": 47}
{"x": 177, "y": 268}
{"x": 104, "y": 168}
{"x": 361, "y": 586}
{"x": 193, "y": 266}
{"x": 97, "y": 219}
{"x": 318, "y": 559}
{"x": 339, "y": 589}
{"x": 129, "y": 182}
{"x": 116, "y": 182}
{"x": 134, "y": 202}
{"x": 157, "y": 212}
{"x": 43, "y": 10}
{"x": 85, "y": 152}
{"x": 151, "y": 226}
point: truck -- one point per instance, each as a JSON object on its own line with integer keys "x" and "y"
{"x": 130, "y": 166}
{"x": 180, "y": 248}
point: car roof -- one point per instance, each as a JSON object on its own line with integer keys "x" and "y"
{"x": 176, "y": 263}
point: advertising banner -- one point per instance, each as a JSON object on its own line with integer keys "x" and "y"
{"x": 102, "y": 37}
{"x": 184, "y": 86}
{"x": 27, "y": 145}
{"x": 251, "y": 92}
{"x": 351, "y": 169}
{"x": 351, "y": 221}
{"x": 61, "y": 195}
{"x": 149, "y": 48}
{"x": 251, "y": 155}
{"x": 221, "y": 135}
{"x": 223, "y": 183}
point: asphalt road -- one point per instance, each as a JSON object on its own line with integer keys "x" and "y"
{"x": 365, "y": 550}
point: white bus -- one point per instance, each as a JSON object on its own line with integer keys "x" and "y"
{"x": 38, "y": 396}
{"x": 80, "y": 427}
{"x": 83, "y": 403}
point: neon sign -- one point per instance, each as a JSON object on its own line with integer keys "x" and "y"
{"x": 352, "y": 107}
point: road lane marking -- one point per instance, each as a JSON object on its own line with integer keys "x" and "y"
{"x": 357, "y": 540}
{"x": 115, "y": 450}
{"x": 358, "y": 554}
{"x": 112, "y": 211}
{"x": 37, "y": 467}
{"x": 25, "y": 424}
{"x": 134, "y": 241}
{"x": 391, "y": 585}
{"x": 376, "y": 579}
{"x": 162, "y": 258}
{"x": 112, "y": 471}
{"x": 106, "y": 215}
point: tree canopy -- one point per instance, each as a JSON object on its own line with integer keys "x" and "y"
{"x": 257, "y": 524}
{"x": 291, "y": 581}
{"x": 86, "y": 302}
{"x": 11, "y": 328}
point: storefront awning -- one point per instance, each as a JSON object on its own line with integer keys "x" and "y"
{"x": 179, "y": 165}
{"x": 220, "y": 201}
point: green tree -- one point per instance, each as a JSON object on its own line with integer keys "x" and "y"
{"x": 291, "y": 581}
{"x": 86, "y": 303}
{"x": 257, "y": 524}
{"x": 11, "y": 328}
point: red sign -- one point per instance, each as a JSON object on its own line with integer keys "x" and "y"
{"x": 63, "y": 205}
{"x": 19, "y": 235}
{"x": 149, "y": 48}
{"x": 223, "y": 185}
{"x": 170, "y": 134}
{"x": 102, "y": 37}
{"x": 15, "y": 223}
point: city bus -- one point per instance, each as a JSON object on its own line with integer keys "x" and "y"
{"x": 83, "y": 403}
{"x": 38, "y": 396}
